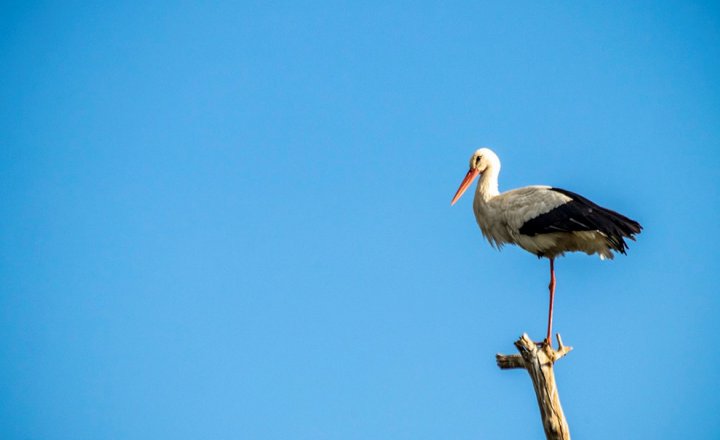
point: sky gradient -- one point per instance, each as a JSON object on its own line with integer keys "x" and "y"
{"x": 231, "y": 220}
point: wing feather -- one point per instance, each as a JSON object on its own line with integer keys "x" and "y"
{"x": 577, "y": 214}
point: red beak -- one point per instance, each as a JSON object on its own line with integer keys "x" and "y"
{"x": 469, "y": 177}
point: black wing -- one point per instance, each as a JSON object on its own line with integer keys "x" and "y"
{"x": 580, "y": 214}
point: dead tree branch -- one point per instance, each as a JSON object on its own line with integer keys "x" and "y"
{"x": 538, "y": 361}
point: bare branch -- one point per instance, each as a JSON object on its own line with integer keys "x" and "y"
{"x": 507, "y": 362}
{"x": 538, "y": 361}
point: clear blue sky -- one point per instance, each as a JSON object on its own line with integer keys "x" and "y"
{"x": 231, "y": 220}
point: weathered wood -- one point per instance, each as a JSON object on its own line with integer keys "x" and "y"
{"x": 538, "y": 361}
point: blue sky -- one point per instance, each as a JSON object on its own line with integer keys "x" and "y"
{"x": 231, "y": 220}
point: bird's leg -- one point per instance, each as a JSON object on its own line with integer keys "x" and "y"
{"x": 552, "y": 298}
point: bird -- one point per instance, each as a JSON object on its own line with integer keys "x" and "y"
{"x": 543, "y": 220}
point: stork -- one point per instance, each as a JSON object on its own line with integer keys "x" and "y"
{"x": 543, "y": 220}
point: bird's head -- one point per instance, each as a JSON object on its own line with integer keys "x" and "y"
{"x": 480, "y": 161}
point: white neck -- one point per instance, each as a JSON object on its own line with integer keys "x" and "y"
{"x": 487, "y": 186}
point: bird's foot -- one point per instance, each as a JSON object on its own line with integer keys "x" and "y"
{"x": 544, "y": 342}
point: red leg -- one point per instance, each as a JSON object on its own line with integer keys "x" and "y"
{"x": 552, "y": 299}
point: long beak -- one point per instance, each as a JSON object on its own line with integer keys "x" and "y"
{"x": 469, "y": 177}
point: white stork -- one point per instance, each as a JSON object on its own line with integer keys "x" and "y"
{"x": 543, "y": 220}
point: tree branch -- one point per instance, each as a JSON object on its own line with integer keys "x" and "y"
{"x": 538, "y": 361}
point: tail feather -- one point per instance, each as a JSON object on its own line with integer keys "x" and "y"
{"x": 617, "y": 227}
